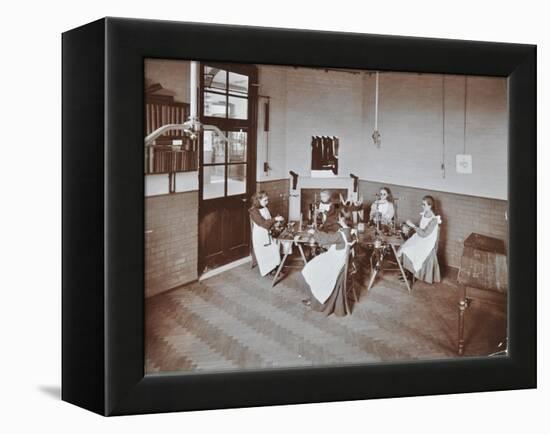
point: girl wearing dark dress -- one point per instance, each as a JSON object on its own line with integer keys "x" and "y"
{"x": 266, "y": 249}
{"x": 329, "y": 211}
{"x": 419, "y": 252}
{"x": 325, "y": 273}
{"x": 383, "y": 208}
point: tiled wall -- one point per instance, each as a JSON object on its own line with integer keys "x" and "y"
{"x": 415, "y": 143}
{"x": 461, "y": 215}
{"x": 277, "y": 190}
{"x": 326, "y": 104}
{"x": 171, "y": 241}
{"x": 417, "y": 135}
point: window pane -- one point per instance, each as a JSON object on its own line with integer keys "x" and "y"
{"x": 215, "y": 78}
{"x": 236, "y": 150}
{"x": 237, "y": 107}
{"x": 213, "y": 182}
{"x": 238, "y": 84}
{"x": 236, "y": 179}
{"x": 213, "y": 148}
{"x": 214, "y": 105}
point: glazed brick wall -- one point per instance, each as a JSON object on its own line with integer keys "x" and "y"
{"x": 277, "y": 190}
{"x": 416, "y": 138}
{"x": 411, "y": 124}
{"x": 461, "y": 215}
{"x": 323, "y": 103}
{"x": 171, "y": 241}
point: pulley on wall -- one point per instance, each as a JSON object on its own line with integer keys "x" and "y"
{"x": 443, "y": 157}
{"x": 464, "y": 160}
{"x": 376, "y": 137}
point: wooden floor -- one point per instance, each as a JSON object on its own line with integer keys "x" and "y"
{"x": 236, "y": 320}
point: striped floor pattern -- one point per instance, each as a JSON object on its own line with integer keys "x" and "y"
{"x": 236, "y": 320}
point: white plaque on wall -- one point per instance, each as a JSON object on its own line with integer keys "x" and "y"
{"x": 464, "y": 163}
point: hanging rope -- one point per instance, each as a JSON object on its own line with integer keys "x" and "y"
{"x": 376, "y": 134}
{"x": 376, "y": 102}
{"x": 465, "y": 106}
{"x": 443, "y": 157}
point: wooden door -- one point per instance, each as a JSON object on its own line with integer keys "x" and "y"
{"x": 227, "y": 172}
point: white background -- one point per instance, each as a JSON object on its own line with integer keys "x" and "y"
{"x": 30, "y": 160}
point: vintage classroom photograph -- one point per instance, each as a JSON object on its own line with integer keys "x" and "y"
{"x": 299, "y": 216}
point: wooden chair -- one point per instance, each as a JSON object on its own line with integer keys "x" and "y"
{"x": 483, "y": 272}
{"x": 253, "y": 261}
{"x": 436, "y": 248}
{"x": 350, "y": 251}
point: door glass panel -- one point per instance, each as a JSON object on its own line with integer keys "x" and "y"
{"x": 237, "y": 107}
{"x": 213, "y": 182}
{"x": 236, "y": 147}
{"x": 213, "y": 148}
{"x": 215, "y": 78}
{"x": 238, "y": 84}
{"x": 236, "y": 179}
{"x": 214, "y": 105}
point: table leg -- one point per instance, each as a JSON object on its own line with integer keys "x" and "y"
{"x": 279, "y": 269}
{"x": 373, "y": 272}
{"x": 302, "y": 254}
{"x": 401, "y": 268}
{"x": 462, "y": 305}
{"x": 345, "y": 284}
{"x": 374, "y": 269}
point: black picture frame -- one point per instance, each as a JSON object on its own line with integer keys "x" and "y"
{"x": 103, "y": 223}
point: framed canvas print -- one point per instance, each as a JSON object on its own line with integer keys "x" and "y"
{"x": 257, "y": 216}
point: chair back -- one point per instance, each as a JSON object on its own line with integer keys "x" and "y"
{"x": 350, "y": 252}
{"x": 253, "y": 261}
{"x": 436, "y": 245}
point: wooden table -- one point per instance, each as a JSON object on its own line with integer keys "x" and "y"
{"x": 379, "y": 242}
{"x": 287, "y": 239}
{"x": 484, "y": 265}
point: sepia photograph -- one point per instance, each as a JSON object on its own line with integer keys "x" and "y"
{"x": 308, "y": 217}
{"x": 286, "y": 217}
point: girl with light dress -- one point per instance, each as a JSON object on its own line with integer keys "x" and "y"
{"x": 325, "y": 273}
{"x": 419, "y": 252}
{"x": 266, "y": 248}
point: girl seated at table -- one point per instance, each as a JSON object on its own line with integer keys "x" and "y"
{"x": 266, "y": 249}
{"x": 383, "y": 207}
{"x": 419, "y": 252}
{"x": 327, "y": 212}
{"x": 325, "y": 272}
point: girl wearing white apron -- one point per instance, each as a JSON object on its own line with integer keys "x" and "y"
{"x": 325, "y": 272}
{"x": 419, "y": 252}
{"x": 383, "y": 207}
{"x": 266, "y": 249}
